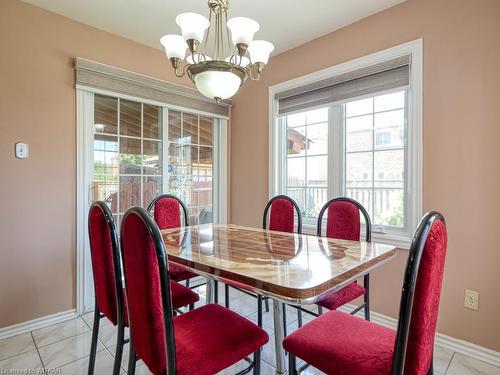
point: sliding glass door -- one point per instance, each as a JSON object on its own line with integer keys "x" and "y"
{"x": 142, "y": 150}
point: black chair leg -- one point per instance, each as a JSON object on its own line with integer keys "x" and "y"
{"x": 299, "y": 318}
{"x": 131, "y": 360}
{"x": 191, "y": 306}
{"x": 119, "y": 349}
{"x": 320, "y": 310}
{"x": 226, "y": 289}
{"x": 266, "y": 302}
{"x": 367, "y": 296}
{"x": 292, "y": 366}
{"x": 93, "y": 345}
{"x": 284, "y": 321}
{"x": 216, "y": 291}
{"x": 256, "y": 363}
{"x": 187, "y": 283}
{"x": 259, "y": 311}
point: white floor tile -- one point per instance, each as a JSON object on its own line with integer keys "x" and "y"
{"x": 103, "y": 365}
{"x": 60, "y": 331}
{"x": 68, "y": 350}
{"x": 464, "y": 365}
{"x": 108, "y": 334}
{"x": 26, "y": 361}
{"x": 89, "y": 319}
{"x": 16, "y": 345}
{"x": 442, "y": 359}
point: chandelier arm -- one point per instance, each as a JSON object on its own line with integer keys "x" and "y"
{"x": 249, "y": 71}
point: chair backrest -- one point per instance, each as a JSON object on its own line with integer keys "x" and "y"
{"x": 168, "y": 212}
{"x": 282, "y": 215}
{"x": 343, "y": 221}
{"x": 147, "y": 281}
{"x": 419, "y": 306}
{"x": 106, "y": 264}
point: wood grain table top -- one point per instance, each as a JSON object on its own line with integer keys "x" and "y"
{"x": 290, "y": 267}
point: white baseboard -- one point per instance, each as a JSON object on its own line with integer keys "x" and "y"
{"x": 38, "y": 323}
{"x": 460, "y": 346}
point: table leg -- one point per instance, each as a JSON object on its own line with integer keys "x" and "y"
{"x": 210, "y": 290}
{"x": 279, "y": 336}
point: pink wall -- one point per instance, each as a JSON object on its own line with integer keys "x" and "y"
{"x": 38, "y": 195}
{"x": 461, "y": 134}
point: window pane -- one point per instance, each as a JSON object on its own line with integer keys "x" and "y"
{"x": 206, "y": 131}
{"x": 174, "y": 126}
{"x": 105, "y": 114}
{"x": 359, "y": 141}
{"x": 297, "y": 119}
{"x": 151, "y": 188}
{"x": 389, "y": 168}
{"x": 152, "y": 157}
{"x": 317, "y": 171}
{"x": 130, "y": 118}
{"x": 152, "y": 121}
{"x": 389, "y": 207}
{"x": 296, "y": 171}
{"x": 105, "y": 189}
{"x": 363, "y": 196}
{"x": 390, "y": 101}
{"x": 299, "y": 196}
{"x": 317, "y": 139}
{"x": 391, "y": 119}
{"x": 130, "y": 156}
{"x": 206, "y": 215}
{"x": 296, "y": 138}
{"x": 105, "y": 155}
{"x": 317, "y": 115}
{"x": 316, "y": 198}
{"x": 130, "y": 192}
{"x": 190, "y": 128}
{"x": 360, "y": 123}
{"x": 359, "y": 107}
{"x": 359, "y": 169}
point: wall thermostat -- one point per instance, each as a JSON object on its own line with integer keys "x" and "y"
{"x": 22, "y": 150}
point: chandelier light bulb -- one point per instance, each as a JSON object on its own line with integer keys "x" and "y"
{"x": 175, "y": 46}
{"x": 259, "y": 51}
{"x": 242, "y": 29}
{"x": 193, "y": 26}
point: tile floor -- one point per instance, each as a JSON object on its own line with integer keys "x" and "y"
{"x": 64, "y": 348}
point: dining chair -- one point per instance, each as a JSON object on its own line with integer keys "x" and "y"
{"x": 339, "y": 343}
{"x": 170, "y": 212}
{"x": 202, "y": 341}
{"x": 279, "y": 215}
{"x": 110, "y": 301}
{"x": 343, "y": 222}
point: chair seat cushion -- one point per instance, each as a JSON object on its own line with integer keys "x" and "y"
{"x": 339, "y": 343}
{"x": 212, "y": 338}
{"x": 349, "y": 293}
{"x": 182, "y": 296}
{"x": 179, "y": 273}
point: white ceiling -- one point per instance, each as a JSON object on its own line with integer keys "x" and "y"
{"x": 285, "y": 23}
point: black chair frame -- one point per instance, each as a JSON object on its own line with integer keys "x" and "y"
{"x": 120, "y": 305}
{"x": 260, "y": 298}
{"x": 368, "y": 237}
{"x": 407, "y": 295}
{"x": 185, "y": 220}
{"x": 166, "y": 298}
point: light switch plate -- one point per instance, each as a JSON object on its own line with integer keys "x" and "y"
{"x": 22, "y": 150}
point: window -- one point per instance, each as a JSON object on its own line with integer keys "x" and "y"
{"x": 141, "y": 151}
{"x": 354, "y": 134}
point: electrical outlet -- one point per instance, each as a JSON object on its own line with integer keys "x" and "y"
{"x": 471, "y": 300}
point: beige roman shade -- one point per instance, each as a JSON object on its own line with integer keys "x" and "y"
{"x": 101, "y": 76}
{"x": 375, "y": 78}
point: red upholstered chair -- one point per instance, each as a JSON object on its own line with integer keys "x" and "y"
{"x": 202, "y": 341}
{"x": 339, "y": 343}
{"x": 279, "y": 215}
{"x": 343, "y": 222}
{"x": 170, "y": 212}
{"x": 106, "y": 267}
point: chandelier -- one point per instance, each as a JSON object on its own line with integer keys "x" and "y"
{"x": 220, "y": 75}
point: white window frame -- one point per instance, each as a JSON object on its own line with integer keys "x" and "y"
{"x": 277, "y": 161}
{"x": 85, "y": 116}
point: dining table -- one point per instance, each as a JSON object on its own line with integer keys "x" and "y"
{"x": 289, "y": 268}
